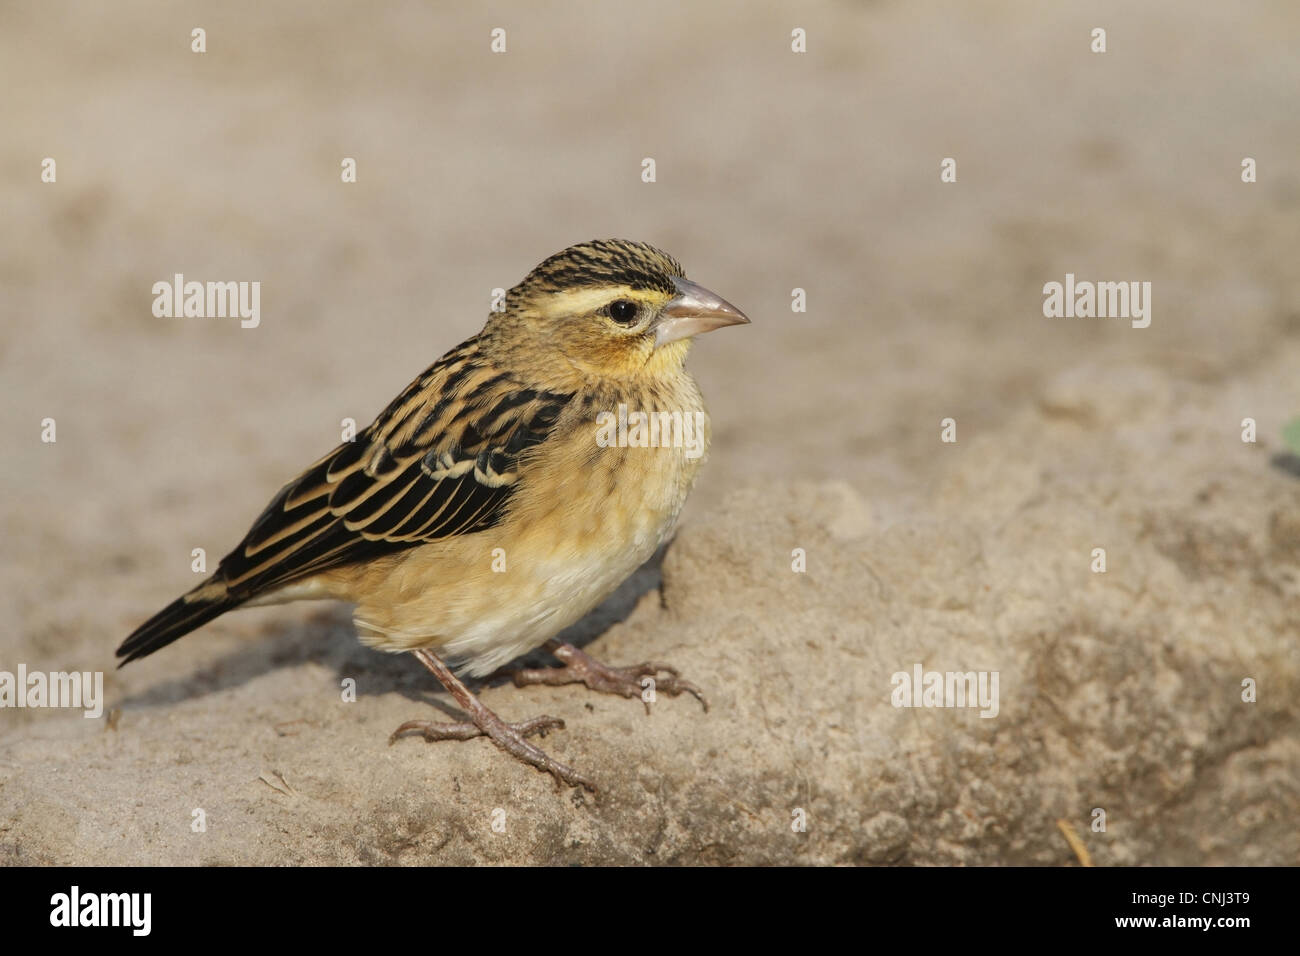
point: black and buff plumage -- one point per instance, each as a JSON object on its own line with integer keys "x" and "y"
{"x": 493, "y": 448}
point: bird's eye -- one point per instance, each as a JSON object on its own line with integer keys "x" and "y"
{"x": 623, "y": 311}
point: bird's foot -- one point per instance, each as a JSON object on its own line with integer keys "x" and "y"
{"x": 627, "y": 681}
{"x": 484, "y": 723}
{"x": 509, "y": 737}
{"x": 468, "y": 730}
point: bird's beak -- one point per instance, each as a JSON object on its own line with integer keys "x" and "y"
{"x": 692, "y": 311}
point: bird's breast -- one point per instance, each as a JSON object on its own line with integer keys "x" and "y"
{"x": 593, "y": 502}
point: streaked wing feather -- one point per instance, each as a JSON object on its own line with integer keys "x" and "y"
{"x": 441, "y": 460}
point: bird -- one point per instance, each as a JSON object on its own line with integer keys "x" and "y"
{"x": 504, "y": 493}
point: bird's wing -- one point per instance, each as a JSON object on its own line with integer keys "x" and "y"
{"x": 441, "y": 460}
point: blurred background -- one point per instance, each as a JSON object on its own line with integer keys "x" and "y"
{"x": 775, "y": 170}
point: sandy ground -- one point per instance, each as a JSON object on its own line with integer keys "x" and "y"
{"x": 775, "y": 170}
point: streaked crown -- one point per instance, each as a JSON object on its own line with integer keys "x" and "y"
{"x": 603, "y": 262}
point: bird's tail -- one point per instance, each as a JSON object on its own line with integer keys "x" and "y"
{"x": 189, "y": 611}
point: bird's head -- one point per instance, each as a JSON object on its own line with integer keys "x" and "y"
{"x": 613, "y": 307}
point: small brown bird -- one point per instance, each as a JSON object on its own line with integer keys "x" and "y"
{"x": 504, "y": 494}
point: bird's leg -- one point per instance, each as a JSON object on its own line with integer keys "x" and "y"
{"x": 509, "y": 737}
{"x": 625, "y": 681}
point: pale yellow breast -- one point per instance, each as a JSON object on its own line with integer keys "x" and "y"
{"x": 592, "y": 505}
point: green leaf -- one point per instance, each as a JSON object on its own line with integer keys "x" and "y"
{"x": 1291, "y": 435}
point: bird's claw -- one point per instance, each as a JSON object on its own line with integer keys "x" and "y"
{"x": 467, "y": 730}
{"x": 509, "y": 737}
{"x": 624, "y": 681}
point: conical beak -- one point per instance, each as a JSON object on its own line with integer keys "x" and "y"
{"x": 692, "y": 311}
